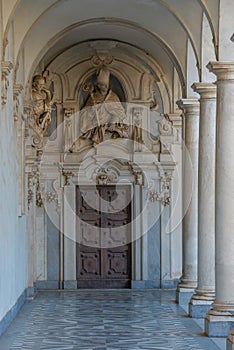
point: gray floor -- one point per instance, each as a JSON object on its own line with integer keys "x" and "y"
{"x": 104, "y": 320}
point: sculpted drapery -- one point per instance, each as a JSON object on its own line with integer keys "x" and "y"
{"x": 103, "y": 114}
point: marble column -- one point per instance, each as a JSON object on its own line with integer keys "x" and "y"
{"x": 188, "y": 282}
{"x": 220, "y": 319}
{"x": 204, "y": 295}
{"x": 69, "y": 213}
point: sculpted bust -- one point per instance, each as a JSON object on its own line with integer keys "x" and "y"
{"x": 103, "y": 114}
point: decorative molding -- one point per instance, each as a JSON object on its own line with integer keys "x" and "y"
{"x": 154, "y": 103}
{"x": 104, "y": 61}
{"x": 105, "y": 175}
{"x": 33, "y": 180}
{"x": 68, "y": 174}
{"x": 161, "y": 196}
{"x": 138, "y": 174}
{"x": 7, "y": 66}
{"x": 166, "y": 131}
{"x": 164, "y": 194}
{"x": 17, "y": 89}
{"x": 68, "y": 131}
{"x": 137, "y": 113}
{"x": 165, "y": 126}
{"x": 41, "y": 107}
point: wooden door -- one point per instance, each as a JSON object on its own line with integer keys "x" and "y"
{"x": 103, "y": 236}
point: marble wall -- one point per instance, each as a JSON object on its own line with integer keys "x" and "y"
{"x": 13, "y": 238}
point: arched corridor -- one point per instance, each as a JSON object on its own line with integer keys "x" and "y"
{"x": 116, "y": 177}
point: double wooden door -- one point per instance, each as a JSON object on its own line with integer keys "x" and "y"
{"x": 103, "y": 236}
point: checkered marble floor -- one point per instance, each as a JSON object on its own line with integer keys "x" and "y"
{"x": 104, "y": 320}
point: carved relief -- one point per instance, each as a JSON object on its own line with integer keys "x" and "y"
{"x": 103, "y": 115}
{"x": 137, "y": 172}
{"x": 166, "y": 131}
{"x": 164, "y": 194}
{"x": 104, "y": 61}
{"x": 165, "y": 126}
{"x": 161, "y": 196}
{"x": 137, "y": 113}
{"x": 154, "y": 103}
{"x": 34, "y": 187}
{"x": 105, "y": 175}
{"x": 68, "y": 132}
{"x": 68, "y": 174}
{"x": 17, "y": 89}
{"x": 6, "y": 69}
{"x": 40, "y": 116}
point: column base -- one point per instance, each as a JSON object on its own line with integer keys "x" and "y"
{"x": 185, "y": 291}
{"x": 200, "y": 304}
{"x": 230, "y": 341}
{"x": 70, "y": 285}
{"x": 218, "y": 324}
{"x": 183, "y": 295}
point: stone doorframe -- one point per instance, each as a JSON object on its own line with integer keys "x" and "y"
{"x": 151, "y": 192}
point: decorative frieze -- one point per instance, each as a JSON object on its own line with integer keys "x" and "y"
{"x": 7, "y": 66}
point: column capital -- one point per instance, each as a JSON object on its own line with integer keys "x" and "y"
{"x": 207, "y": 91}
{"x": 223, "y": 70}
{"x": 189, "y": 106}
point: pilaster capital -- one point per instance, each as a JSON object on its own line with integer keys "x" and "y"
{"x": 189, "y": 106}
{"x": 207, "y": 91}
{"x": 223, "y": 70}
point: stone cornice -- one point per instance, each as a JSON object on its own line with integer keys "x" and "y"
{"x": 223, "y": 70}
{"x": 207, "y": 91}
{"x": 189, "y": 106}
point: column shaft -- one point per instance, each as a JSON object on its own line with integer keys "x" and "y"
{"x": 220, "y": 318}
{"x": 205, "y": 292}
{"x": 69, "y": 212}
{"x": 188, "y": 281}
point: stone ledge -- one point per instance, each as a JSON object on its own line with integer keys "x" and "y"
{"x": 47, "y": 285}
{"x": 218, "y": 326}
{"x": 145, "y": 284}
{"x": 183, "y": 295}
{"x": 199, "y": 308}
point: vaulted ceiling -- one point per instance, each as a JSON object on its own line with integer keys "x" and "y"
{"x": 168, "y": 30}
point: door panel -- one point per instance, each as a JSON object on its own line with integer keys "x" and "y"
{"x": 103, "y": 237}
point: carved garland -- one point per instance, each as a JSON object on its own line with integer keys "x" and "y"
{"x": 164, "y": 194}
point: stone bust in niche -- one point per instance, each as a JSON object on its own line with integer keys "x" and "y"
{"x": 103, "y": 115}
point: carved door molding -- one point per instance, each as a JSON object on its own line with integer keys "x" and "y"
{"x": 103, "y": 236}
